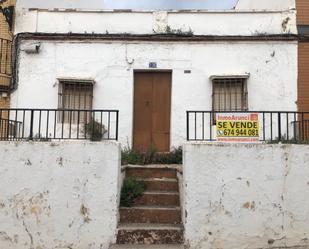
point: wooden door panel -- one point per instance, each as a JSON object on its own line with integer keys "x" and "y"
{"x": 152, "y": 110}
{"x": 161, "y": 111}
{"x": 142, "y": 111}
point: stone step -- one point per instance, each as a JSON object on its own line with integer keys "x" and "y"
{"x": 160, "y": 184}
{"x": 145, "y": 226}
{"x": 149, "y": 234}
{"x": 148, "y": 172}
{"x": 150, "y": 214}
{"x": 158, "y": 198}
{"x": 147, "y": 247}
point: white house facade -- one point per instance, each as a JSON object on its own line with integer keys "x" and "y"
{"x": 153, "y": 66}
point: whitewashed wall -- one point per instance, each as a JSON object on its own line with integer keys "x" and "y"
{"x": 58, "y": 195}
{"x": 236, "y": 22}
{"x": 272, "y": 66}
{"x": 246, "y": 196}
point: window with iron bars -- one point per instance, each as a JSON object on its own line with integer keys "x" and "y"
{"x": 230, "y": 94}
{"x": 75, "y": 95}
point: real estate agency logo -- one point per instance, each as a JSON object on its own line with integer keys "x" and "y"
{"x": 254, "y": 117}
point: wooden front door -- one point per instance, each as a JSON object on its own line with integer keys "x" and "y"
{"x": 152, "y": 111}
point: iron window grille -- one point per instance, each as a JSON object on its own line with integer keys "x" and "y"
{"x": 230, "y": 94}
{"x": 75, "y": 95}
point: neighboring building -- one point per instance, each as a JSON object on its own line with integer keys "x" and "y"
{"x": 303, "y": 54}
{"x": 153, "y": 66}
{"x": 6, "y": 37}
{"x": 266, "y": 5}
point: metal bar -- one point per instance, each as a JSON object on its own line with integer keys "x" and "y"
{"x": 62, "y": 124}
{"x": 93, "y": 124}
{"x": 47, "y": 125}
{"x": 8, "y": 126}
{"x": 70, "y": 126}
{"x": 203, "y": 125}
{"x": 101, "y": 122}
{"x": 86, "y": 123}
{"x": 188, "y": 126}
{"x": 264, "y": 128}
{"x": 78, "y": 117}
{"x": 195, "y": 125}
{"x": 108, "y": 125}
{"x": 303, "y": 126}
{"x": 295, "y": 130}
{"x": 287, "y": 127}
{"x": 24, "y": 113}
{"x": 279, "y": 127}
{"x": 55, "y": 122}
{"x": 19, "y": 127}
{"x": 31, "y": 125}
{"x": 271, "y": 126}
{"x": 210, "y": 124}
{"x": 16, "y": 126}
{"x": 117, "y": 124}
{"x": 40, "y": 116}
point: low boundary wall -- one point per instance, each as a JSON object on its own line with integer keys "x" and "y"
{"x": 246, "y": 196}
{"x": 58, "y": 195}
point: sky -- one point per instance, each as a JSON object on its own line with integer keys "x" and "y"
{"x": 129, "y": 4}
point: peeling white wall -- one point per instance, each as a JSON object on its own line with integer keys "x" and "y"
{"x": 246, "y": 196}
{"x": 147, "y": 22}
{"x": 266, "y": 4}
{"x": 58, "y": 195}
{"x": 272, "y": 84}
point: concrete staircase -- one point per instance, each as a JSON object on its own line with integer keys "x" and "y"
{"x": 155, "y": 219}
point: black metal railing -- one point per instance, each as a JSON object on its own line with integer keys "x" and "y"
{"x": 58, "y": 124}
{"x": 5, "y": 57}
{"x": 9, "y": 128}
{"x": 273, "y": 126}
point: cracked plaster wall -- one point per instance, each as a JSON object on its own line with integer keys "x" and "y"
{"x": 246, "y": 196}
{"x": 272, "y": 67}
{"x": 58, "y": 195}
{"x": 244, "y": 23}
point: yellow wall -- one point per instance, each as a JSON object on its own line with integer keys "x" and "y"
{"x": 5, "y": 33}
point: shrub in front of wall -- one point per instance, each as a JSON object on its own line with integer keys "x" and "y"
{"x": 131, "y": 190}
{"x": 150, "y": 156}
{"x": 129, "y": 156}
{"x": 173, "y": 157}
{"x": 95, "y": 130}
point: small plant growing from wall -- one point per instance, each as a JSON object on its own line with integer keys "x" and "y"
{"x": 95, "y": 130}
{"x": 285, "y": 140}
{"x": 180, "y": 32}
{"x": 131, "y": 190}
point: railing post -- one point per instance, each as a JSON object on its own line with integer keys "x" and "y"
{"x": 117, "y": 124}
{"x": 302, "y": 127}
{"x": 31, "y": 125}
{"x": 279, "y": 127}
{"x": 188, "y": 126}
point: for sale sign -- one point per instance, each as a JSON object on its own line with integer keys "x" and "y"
{"x": 237, "y": 127}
